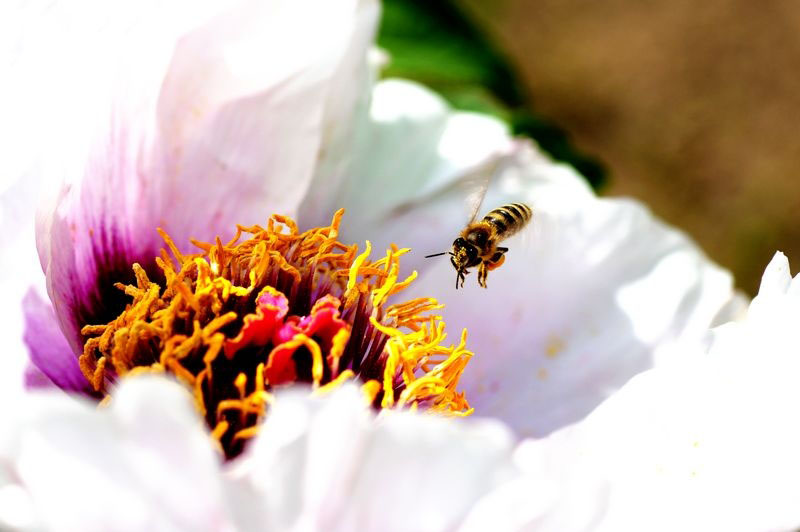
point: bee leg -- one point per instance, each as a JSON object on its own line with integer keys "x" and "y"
{"x": 483, "y": 271}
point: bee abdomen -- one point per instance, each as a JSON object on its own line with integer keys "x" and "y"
{"x": 509, "y": 218}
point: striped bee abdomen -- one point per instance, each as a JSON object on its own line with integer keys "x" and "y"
{"x": 509, "y": 218}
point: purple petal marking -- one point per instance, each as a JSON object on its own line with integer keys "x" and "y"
{"x": 88, "y": 255}
{"x": 48, "y": 349}
{"x": 36, "y": 380}
{"x": 185, "y": 135}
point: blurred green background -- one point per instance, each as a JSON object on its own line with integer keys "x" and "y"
{"x": 691, "y": 107}
{"x": 435, "y": 43}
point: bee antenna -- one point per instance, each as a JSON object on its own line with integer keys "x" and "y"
{"x": 437, "y": 254}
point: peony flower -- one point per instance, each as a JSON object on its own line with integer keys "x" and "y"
{"x": 205, "y": 118}
{"x": 173, "y": 152}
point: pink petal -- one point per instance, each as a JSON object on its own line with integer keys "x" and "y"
{"x": 36, "y": 380}
{"x": 323, "y": 323}
{"x": 280, "y": 367}
{"x": 203, "y": 118}
{"x": 258, "y": 327}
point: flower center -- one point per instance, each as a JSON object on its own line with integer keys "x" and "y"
{"x": 274, "y": 307}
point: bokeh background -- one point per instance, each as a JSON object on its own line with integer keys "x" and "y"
{"x": 693, "y": 107}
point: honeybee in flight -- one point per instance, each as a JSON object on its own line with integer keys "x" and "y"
{"x": 477, "y": 245}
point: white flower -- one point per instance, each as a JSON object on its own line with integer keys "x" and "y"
{"x": 205, "y": 121}
{"x": 194, "y": 117}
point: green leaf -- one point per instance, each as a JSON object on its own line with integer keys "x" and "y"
{"x": 433, "y": 43}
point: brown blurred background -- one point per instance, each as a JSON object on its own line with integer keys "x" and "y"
{"x": 691, "y": 106}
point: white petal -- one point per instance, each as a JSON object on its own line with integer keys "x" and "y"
{"x": 594, "y": 292}
{"x": 776, "y": 278}
{"x": 17, "y": 511}
{"x": 146, "y": 462}
{"x": 345, "y": 117}
{"x": 332, "y": 466}
{"x": 204, "y": 114}
{"x": 405, "y": 153}
{"x": 708, "y": 444}
{"x": 276, "y": 84}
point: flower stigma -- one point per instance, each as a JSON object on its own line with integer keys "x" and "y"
{"x": 274, "y": 307}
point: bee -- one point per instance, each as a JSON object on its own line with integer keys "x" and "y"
{"x": 477, "y": 245}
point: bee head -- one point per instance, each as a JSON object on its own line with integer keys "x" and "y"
{"x": 464, "y": 254}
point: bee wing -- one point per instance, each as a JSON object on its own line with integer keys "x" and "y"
{"x": 472, "y": 186}
{"x": 528, "y": 233}
{"x": 476, "y": 193}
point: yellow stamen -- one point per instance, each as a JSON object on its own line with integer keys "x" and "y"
{"x": 260, "y": 378}
{"x": 246, "y": 434}
{"x": 413, "y": 352}
{"x": 219, "y": 430}
{"x": 380, "y": 295}
{"x": 339, "y": 343}
{"x": 345, "y": 376}
{"x": 207, "y": 327}
{"x": 370, "y": 389}
{"x": 316, "y": 354}
{"x": 240, "y": 383}
{"x": 171, "y": 244}
{"x": 355, "y": 269}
